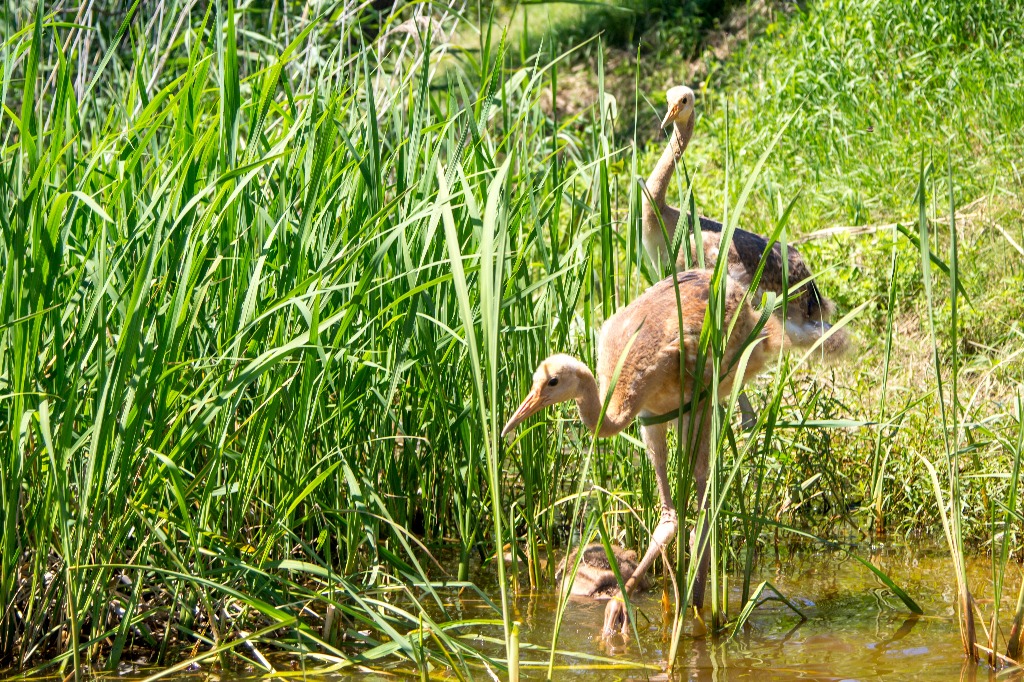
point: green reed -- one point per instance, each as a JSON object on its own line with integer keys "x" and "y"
{"x": 958, "y": 433}
{"x": 950, "y": 429}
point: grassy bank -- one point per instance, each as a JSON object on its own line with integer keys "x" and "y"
{"x": 875, "y": 91}
{"x": 272, "y": 281}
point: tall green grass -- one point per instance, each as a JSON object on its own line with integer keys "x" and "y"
{"x": 271, "y": 281}
{"x": 244, "y": 363}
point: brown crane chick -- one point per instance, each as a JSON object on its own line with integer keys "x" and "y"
{"x": 594, "y": 577}
{"x": 647, "y": 338}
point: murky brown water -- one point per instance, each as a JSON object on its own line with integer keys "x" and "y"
{"x": 856, "y": 629}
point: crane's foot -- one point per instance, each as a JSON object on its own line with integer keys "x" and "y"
{"x": 616, "y": 617}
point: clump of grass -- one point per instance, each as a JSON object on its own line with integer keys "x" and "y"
{"x": 242, "y": 358}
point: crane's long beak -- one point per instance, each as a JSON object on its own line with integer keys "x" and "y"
{"x": 533, "y": 403}
{"x": 670, "y": 116}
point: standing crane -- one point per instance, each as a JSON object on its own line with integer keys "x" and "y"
{"x": 651, "y": 340}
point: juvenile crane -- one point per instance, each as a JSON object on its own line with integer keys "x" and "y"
{"x": 808, "y": 312}
{"x": 595, "y": 577}
{"x": 652, "y": 345}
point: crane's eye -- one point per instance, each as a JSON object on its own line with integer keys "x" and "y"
{"x": 553, "y": 381}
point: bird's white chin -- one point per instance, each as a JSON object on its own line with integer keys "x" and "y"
{"x": 804, "y": 335}
{"x": 807, "y": 334}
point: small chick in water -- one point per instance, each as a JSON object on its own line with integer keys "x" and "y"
{"x": 595, "y": 577}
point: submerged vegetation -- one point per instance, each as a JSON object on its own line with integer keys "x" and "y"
{"x": 272, "y": 280}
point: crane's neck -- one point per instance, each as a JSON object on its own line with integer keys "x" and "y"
{"x": 659, "y": 181}
{"x": 655, "y": 210}
{"x": 588, "y": 400}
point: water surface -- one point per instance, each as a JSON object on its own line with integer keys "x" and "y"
{"x": 856, "y": 629}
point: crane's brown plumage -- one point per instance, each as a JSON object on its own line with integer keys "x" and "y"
{"x": 808, "y": 312}
{"x": 648, "y": 340}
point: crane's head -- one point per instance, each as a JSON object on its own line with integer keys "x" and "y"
{"x": 680, "y": 105}
{"x": 555, "y": 381}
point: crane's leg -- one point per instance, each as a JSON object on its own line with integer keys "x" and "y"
{"x": 615, "y": 616}
{"x": 700, "y": 476}
{"x": 748, "y": 417}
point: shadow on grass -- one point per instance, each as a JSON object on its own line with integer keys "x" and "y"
{"x": 623, "y": 22}
{"x": 558, "y": 25}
